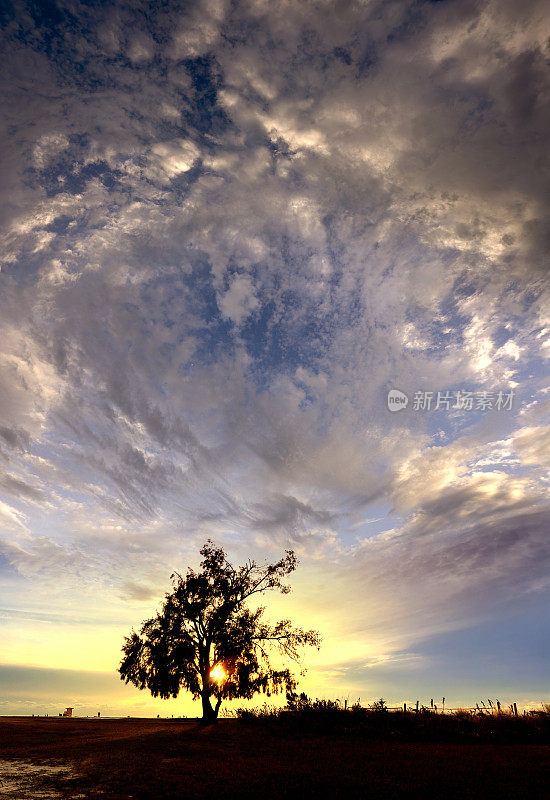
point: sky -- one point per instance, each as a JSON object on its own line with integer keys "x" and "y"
{"x": 231, "y": 234}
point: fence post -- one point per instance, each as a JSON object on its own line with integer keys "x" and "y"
{"x": 404, "y": 706}
{"x": 515, "y": 710}
{"x": 417, "y": 702}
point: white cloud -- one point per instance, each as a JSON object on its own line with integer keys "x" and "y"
{"x": 363, "y": 198}
{"x": 239, "y": 300}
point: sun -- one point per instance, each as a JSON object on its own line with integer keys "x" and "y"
{"x": 218, "y": 673}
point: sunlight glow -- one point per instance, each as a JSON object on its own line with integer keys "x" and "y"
{"x": 218, "y": 673}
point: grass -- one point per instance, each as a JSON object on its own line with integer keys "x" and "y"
{"x": 376, "y": 722}
{"x": 176, "y": 760}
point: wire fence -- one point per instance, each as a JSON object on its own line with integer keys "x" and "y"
{"x": 492, "y": 707}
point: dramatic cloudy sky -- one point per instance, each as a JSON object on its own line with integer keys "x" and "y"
{"x": 228, "y": 229}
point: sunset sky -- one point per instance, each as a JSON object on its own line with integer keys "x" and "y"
{"x": 228, "y": 230}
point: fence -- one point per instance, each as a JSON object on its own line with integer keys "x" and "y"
{"x": 480, "y": 708}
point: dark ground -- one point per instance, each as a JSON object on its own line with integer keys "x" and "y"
{"x": 161, "y": 759}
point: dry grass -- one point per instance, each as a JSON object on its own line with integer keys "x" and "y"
{"x": 377, "y": 722}
{"x": 162, "y": 760}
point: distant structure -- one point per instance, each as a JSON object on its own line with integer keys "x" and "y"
{"x": 68, "y": 712}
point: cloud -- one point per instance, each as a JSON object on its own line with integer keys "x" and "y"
{"x": 239, "y": 300}
{"x": 533, "y": 445}
{"x": 137, "y": 591}
{"x": 229, "y": 230}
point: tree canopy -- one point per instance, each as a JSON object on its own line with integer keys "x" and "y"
{"x": 207, "y": 640}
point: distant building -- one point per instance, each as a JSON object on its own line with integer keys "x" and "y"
{"x": 68, "y": 712}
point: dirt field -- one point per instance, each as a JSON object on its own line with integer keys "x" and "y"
{"x": 161, "y": 759}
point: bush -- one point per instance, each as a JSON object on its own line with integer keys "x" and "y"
{"x": 302, "y": 715}
{"x": 379, "y": 706}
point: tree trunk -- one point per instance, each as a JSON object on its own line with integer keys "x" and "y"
{"x": 209, "y": 714}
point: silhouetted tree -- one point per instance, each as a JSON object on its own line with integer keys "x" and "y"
{"x": 206, "y": 639}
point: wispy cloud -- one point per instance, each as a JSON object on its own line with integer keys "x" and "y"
{"x": 228, "y": 230}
